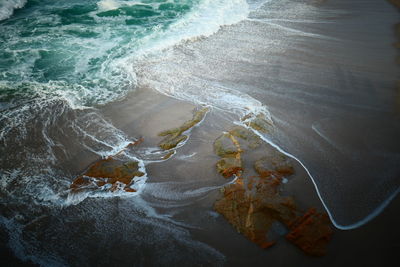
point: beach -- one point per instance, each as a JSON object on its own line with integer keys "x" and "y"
{"x": 307, "y": 86}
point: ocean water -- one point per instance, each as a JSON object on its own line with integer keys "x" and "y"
{"x": 323, "y": 73}
{"x": 81, "y": 51}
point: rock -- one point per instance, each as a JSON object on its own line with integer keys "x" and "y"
{"x": 224, "y": 147}
{"x": 228, "y": 147}
{"x": 229, "y": 166}
{"x": 172, "y": 141}
{"x": 258, "y": 122}
{"x": 253, "y": 204}
{"x": 169, "y": 154}
{"x": 245, "y": 134}
{"x": 175, "y": 136}
{"x": 253, "y": 208}
{"x": 277, "y": 165}
{"x": 109, "y": 173}
{"x": 311, "y": 232}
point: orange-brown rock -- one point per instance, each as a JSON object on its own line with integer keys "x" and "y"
{"x": 311, "y": 232}
{"x": 113, "y": 173}
{"x": 253, "y": 204}
{"x": 252, "y": 207}
{"x": 228, "y": 167}
{"x": 277, "y": 165}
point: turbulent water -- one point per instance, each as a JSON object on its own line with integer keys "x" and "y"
{"x": 323, "y": 74}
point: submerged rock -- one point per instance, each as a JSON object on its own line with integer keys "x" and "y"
{"x": 258, "y": 122}
{"x": 311, "y": 232}
{"x": 245, "y": 134}
{"x": 228, "y": 147}
{"x": 228, "y": 167}
{"x": 110, "y": 174}
{"x": 278, "y": 165}
{"x": 253, "y": 205}
{"x": 224, "y": 147}
{"x": 174, "y": 137}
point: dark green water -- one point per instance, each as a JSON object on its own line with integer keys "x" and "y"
{"x": 79, "y": 49}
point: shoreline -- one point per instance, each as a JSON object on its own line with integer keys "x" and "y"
{"x": 188, "y": 181}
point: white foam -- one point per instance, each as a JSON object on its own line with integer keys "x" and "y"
{"x": 105, "y": 5}
{"x": 7, "y": 7}
{"x": 205, "y": 19}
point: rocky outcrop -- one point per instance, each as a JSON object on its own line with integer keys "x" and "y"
{"x": 258, "y": 122}
{"x": 175, "y": 136}
{"x": 311, "y": 232}
{"x": 253, "y": 204}
{"x": 228, "y": 148}
{"x": 109, "y": 174}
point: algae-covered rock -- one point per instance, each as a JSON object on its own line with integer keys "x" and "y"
{"x": 311, "y": 232}
{"x": 253, "y": 140}
{"x": 111, "y": 174}
{"x": 172, "y": 141}
{"x": 175, "y": 136}
{"x": 259, "y": 123}
{"x": 169, "y": 154}
{"x": 224, "y": 147}
{"x": 228, "y": 147}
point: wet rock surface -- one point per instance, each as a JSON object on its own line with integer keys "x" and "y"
{"x": 311, "y": 232}
{"x": 175, "y": 136}
{"x": 254, "y": 203}
{"x": 110, "y": 174}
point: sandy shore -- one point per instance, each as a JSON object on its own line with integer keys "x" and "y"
{"x": 173, "y": 220}
{"x": 170, "y": 183}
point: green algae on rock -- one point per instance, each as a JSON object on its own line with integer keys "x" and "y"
{"x": 258, "y": 122}
{"x": 175, "y": 136}
{"x": 228, "y": 148}
{"x": 243, "y": 133}
{"x": 224, "y": 147}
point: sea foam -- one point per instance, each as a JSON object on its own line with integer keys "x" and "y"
{"x": 7, "y": 7}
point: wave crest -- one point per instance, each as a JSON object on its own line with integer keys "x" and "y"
{"x": 7, "y": 7}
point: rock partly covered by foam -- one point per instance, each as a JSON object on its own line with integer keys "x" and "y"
{"x": 110, "y": 174}
{"x": 258, "y": 122}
